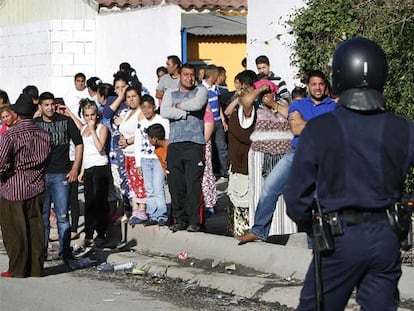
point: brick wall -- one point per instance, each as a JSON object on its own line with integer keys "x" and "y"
{"x": 25, "y": 52}
{"x": 46, "y": 54}
{"x": 72, "y": 45}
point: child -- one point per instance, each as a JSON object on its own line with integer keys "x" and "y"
{"x": 156, "y": 136}
{"x": 149, "y": 166}
{"x": 298, "y": 93}
{"x": 127, "y": 128}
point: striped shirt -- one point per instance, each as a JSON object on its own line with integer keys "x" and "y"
{"x": 282, "y": 91}
{"x": 24, "y": 150}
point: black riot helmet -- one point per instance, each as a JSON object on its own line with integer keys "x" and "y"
{"x": 359, "y": 66}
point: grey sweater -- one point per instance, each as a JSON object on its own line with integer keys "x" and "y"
{"x": 185, "y": 126}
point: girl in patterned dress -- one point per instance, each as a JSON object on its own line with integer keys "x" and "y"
{"x": 127, "y": 128}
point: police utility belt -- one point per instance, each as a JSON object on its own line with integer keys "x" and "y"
{"x": 326, "y": 226}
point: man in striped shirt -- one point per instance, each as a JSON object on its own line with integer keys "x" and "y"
{"x": 24, "y": 150}
{"x": 263, "y": 67}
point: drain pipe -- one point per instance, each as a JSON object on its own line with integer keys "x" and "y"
{"x": 184, "y": 45}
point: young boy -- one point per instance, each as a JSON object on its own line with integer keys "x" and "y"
{"x": 156, "y": 136}
{"x": 148, "y": 164}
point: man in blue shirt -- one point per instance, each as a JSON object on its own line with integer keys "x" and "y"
{"x": 300, "y": 112}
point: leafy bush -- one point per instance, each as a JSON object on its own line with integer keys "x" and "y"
{"x": 322, "y": 24}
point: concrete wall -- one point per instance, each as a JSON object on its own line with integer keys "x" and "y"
{"x": 45, "y": 42}
{"x": 72, "y": 45}
{"x": 40, "y": 45}
{"x": 144, "y": 38}
{"x": 49, "y": 53}
{"x": 264, "y": 21}
{"x": 24, "y": 57}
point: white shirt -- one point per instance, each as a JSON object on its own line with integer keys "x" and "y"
{"x": 91, "y": 156}
{"x": 127, "y": 129}
{"x": 72, "y": 99}
{"x": 142, "y": 146}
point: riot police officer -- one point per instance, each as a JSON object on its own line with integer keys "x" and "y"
{"x": 354, "y": 161}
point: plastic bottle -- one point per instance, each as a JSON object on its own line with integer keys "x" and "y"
{"x": 125, "y": 266}
{"x": 105, "y": 267}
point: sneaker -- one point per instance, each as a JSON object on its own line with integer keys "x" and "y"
{"x": 150, "y": 222}
{"x": 121, "y": 244}
{"x": 81, "y": 252}
{"x": 134, "y": 220}
{"x": 162, "y": 222}
{"x": 193, "y": 228}
{"x": 178, "y": 227}
{"x": 222, "y": 179}
{"x": 6, "y": 274}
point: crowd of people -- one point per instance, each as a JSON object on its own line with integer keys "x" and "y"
{"x": 123, "y": 145}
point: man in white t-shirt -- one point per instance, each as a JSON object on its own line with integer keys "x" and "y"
{"x": 73, "y": 97}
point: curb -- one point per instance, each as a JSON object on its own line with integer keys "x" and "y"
{"x": 284, "y": 261}
{"x": 261, "y": 288}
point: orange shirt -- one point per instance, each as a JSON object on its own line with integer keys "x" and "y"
{"x": 161, "y": 153}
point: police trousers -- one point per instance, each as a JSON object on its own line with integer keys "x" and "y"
{"x": 367, "y": 256}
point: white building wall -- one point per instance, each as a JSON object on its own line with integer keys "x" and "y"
{"x": 24, "y": 57}
{"x": 144, "y": 38}
{"x": 44, "y": 43}
{"x": 48, "y": 53}
{"x": 73, "y": 45}
{"x": 265, "y": 20}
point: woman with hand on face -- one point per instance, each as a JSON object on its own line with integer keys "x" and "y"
{"x": 95, "y": 173}
{"x": 114, "y": 109}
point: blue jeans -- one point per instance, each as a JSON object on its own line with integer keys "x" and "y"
{"x": 272, "y": 188}
{"x": 154, "y": 180}
{"x": 219, "y": 139}
{"x": 57, "y": 191}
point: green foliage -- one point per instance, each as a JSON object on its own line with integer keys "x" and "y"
{"x": 318, "y": 28}
{"x": 322, "y": 24}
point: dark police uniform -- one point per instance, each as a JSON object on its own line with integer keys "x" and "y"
{"x": 355, "y": 161}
